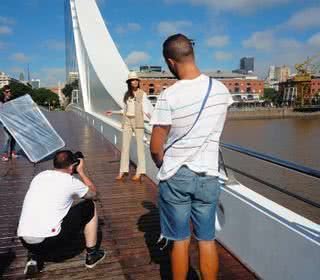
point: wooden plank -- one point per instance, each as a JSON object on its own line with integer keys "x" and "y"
{"x": 128, "y": 216}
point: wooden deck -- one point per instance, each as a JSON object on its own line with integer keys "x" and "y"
{"x": 129, "y": 218}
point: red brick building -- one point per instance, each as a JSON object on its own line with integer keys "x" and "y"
{"x": 289, "y": 90}
{"x": 315, "y": 86}
{"x": 155, "y": 82}
{"x": 244, "y": 86}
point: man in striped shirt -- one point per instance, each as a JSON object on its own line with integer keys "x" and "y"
{"x": 190, "y": 180}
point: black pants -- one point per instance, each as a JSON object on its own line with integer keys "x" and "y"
{"x": 71, "y": 227}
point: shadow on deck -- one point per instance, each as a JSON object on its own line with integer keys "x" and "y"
{"x": 128, "y": 215}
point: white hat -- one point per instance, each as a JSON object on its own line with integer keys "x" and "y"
{"x": 132, "y": 76}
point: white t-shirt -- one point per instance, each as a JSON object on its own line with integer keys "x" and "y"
{"x": 179, "y": 106}
{"x": 47, "y": 202}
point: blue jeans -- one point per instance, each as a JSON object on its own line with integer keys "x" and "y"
{"x": 188, "y": 196}
{"x": 8, "y": 141}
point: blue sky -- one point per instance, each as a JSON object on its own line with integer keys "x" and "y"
{"x": 273, "y": 31}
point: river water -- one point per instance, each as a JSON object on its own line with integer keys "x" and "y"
{"x": 295, "y": 140}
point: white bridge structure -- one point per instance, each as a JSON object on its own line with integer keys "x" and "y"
{"x": 272, "y": 241}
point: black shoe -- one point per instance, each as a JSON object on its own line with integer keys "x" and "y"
{"x": 92, "y": 259}
{"x": 31, "y": 268}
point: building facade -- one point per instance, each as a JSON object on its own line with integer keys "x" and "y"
{"x": 154, "y": 83}
{"x": 4, "y": 79}
{"x": 289, "y": 91}
{"x": 282, "y": 73}
{"x": 35, "y": 83}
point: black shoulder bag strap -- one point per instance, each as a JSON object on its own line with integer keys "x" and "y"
{"x": 196, "y": 120}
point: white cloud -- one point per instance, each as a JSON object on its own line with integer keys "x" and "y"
{"x": 7, "y": 21}
{"x": 288, "y": 44}
{"x": 314, "y": 40}
{"x": 167, "y": 28}
{"x": 54, "y": 45}
{"x": 19, "y": 57}
{"x": 5, "y": 30}
{"x": 218, "y": 41}
{"x": 284, "y": 51}
{"x": 130, "y": 27}
{"x": 134, "y": 26}
{"x": 307, "y": 18}
{"x": 242, "y": 6}
{"x": 261, "y": 40}
{"x": 16, "y": 70}
{"x": 223, "y": 56}
{"x": 137, "y": 57}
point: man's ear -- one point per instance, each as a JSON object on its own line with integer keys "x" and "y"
{"x": 71, "y": 168}
{"x": 171, "y": 62}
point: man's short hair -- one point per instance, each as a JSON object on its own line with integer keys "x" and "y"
{"x": 63, "y": 159}
{"x": 178, "y": 47}
{"x": 6, "y": 87}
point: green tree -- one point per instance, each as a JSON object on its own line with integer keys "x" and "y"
{"x": 41, "y": 96}
{"x": 67, "y": 90}
{"x": 272, "y": 95}
{"x": 45, "y": 97}
{"x": 19, "y": 89}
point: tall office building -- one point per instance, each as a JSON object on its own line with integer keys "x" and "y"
{"x": 35, "y": 83}
{"x": 271, "y": 73}
{"x": 21, "y": 77}
{"x": 282, "y": 73}
{"x": 247, "y": 64}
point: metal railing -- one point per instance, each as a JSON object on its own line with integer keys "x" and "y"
{"x": 278, "y": 162}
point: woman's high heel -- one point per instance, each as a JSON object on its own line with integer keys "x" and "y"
{"x": 120, "y": 176}
{"x": 137, "y": 177}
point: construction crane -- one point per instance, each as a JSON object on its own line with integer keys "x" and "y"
{"x": 303, "y": 78}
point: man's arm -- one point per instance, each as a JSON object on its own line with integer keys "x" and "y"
{"x": 92, "y": 192}
{"x": 158, "y": 139}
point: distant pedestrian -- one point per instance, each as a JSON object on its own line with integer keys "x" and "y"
{"x": 8, "y": 147}
{"x": 187, "y": 124}
{"x": 137, "y": 107}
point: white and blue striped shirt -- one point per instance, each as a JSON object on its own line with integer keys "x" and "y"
{"x": 178, "y": 106}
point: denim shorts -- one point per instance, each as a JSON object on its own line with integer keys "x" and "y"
{"x": 188, "y": 196}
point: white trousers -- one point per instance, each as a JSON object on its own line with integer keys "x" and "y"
{"x": 128, "y": 129}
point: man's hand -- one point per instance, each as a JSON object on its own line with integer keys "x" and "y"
{"x": 84, "y": 177}
{"x": 158, "y": 139}
{"x": 80, "y": 167}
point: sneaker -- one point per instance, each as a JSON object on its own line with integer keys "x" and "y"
{"x": 92, "y": 259}
{"x": 31, "y": 268}
{"x": 4, "y": 158}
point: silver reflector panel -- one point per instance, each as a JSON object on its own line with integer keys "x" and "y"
{"x": 30, "y": 128}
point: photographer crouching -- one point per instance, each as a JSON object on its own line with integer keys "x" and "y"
{"x": 49, "y": 221}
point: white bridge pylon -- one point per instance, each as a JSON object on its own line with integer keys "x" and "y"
{"x": 95, "y": 48}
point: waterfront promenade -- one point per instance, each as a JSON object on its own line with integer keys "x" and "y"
{"x": 261, "y": 113}
{"x": 129, "y": 219}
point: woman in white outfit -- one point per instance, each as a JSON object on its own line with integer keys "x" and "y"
{"x": 137, "y": 107}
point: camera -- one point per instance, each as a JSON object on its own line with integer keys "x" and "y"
{"x": 76, "y": 159}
